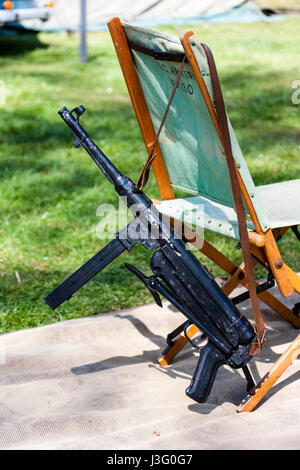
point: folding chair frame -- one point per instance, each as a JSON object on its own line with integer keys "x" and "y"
{"x": 263, "y": 244}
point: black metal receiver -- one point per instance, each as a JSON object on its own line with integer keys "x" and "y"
{"x": 178, "y": 275}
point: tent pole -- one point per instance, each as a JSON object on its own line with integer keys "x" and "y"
{"x": 83, "y": 46}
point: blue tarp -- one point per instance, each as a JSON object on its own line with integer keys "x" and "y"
{"x": 245, "y": 12}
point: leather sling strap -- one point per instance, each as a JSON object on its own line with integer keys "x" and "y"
{"x": 143, "y": 178}
{"x": 238, "y": 201}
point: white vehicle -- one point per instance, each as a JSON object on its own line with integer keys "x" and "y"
{"x": 18, "y": 10}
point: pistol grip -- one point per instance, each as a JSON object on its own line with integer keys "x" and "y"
{"x": 211, "y": 358}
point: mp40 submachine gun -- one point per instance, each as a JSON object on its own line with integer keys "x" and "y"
{"x": 177, "y": 275}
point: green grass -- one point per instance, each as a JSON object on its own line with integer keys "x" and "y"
{"x": 49, "y": 191}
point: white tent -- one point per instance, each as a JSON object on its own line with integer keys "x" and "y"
{"x": 66, "y": 14}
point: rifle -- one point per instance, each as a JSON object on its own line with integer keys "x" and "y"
{"x": 177, "y": 275}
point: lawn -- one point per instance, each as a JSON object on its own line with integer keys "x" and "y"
{"x": 49, "y": 191}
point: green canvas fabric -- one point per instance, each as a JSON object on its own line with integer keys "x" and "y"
{"x": 189, "y": 143}
{"x": 202, "y": 213}
{"x": 281, "y": 202}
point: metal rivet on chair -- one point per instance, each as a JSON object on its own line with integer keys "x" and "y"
{"x": 278, "y": 263}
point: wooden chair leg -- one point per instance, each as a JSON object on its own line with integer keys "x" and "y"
{"x": 275, "y": 304}
{"x": 237, "y": 276}
{"x": 237, "y": 272}
{"x": 171, "y": 352}
{"x": 294, "y": 277}
{"x": 269, "y": 299}
{"x": 252, "y": 399}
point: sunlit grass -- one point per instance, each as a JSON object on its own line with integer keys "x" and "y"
{"x": 49, "y": 191}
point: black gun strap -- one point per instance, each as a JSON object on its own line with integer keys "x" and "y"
{"x": 84, "y": 274}
{"x": 143, "y": 178}
{"x": 238, "y": 200}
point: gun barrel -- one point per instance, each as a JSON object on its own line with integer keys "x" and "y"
{"x": 124, "y": 186}
{"x": 101, "y": 160}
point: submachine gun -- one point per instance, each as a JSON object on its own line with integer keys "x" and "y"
{"x": 177, "y": 275}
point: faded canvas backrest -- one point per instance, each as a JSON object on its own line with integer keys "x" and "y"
{"x": 189, "y": 143}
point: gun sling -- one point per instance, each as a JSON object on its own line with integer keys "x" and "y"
{"x": 236, "y": 192}
{"x": 238, "y": 201}
{"x": 143, "y": 178}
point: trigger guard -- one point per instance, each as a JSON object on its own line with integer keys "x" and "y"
{"x": 192, "y": 343}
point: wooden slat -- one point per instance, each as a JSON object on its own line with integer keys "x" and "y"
{"x": 140, "y": 105}
{"x": 281, "y": 275}
{"x": 285, "y": 360}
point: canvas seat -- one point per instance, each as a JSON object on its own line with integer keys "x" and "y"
{"x": 202, "y": 213}
{"x": 281, "y": 203}
{"x": 189, "y": 157}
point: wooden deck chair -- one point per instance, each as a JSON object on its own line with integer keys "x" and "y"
{"x": 189, "y": 156}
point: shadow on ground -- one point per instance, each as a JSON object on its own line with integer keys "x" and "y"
{"x": 19, "y": 44}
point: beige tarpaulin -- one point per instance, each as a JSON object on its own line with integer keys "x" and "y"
{"x": 66, "y": 14}
{"x": 94, "y": 383}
